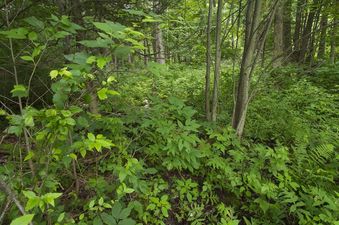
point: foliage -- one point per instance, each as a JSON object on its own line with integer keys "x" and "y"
{"x": 118, "y": 139}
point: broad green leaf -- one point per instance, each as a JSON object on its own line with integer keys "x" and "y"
{"x": 19, "y": 91}
{"x": 27, "y": 58}
{"x": 98, "y": 43}
{"x": 124, "y": 213}
{"x": 3, "y": 112}
{"x": 97, "y": 221}
{"x": 111, "y": 79}
{"x": 116, "y": 209}
{"x": 127, "y": 222}
{"x": 29, "y": 121}
{"x": 102, "y": 93}
{"x": 29, "y": 194}
{"x": 34, "y": 22}
{"x": 102, "y": 61}
{"x": 32, "y": 36}
{"x": 17, "y": 33}
{"x": 32, "y": 203}
{"x": 61, "y": 217}
{"x": 164, "y": 211}
{"x": 73, "y": 156}
{"x": 101, "y": 201}
{"x": 15, "y": 130}
{"x": 108, "y": 219}
{"x": 91, "y": 204}
{"x": 23, "y": 220}
{"x": 109, "y": 27}
{"x": 91, "y": 59}
{"x": 50, "y": 197}
{"x": 91, "y": 137}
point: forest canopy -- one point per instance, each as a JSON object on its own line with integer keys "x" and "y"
{"x": 130, "y": 112}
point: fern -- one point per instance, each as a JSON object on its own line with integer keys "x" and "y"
{"x": 321, "y": 154}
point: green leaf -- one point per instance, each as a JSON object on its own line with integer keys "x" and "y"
{"x": 102, "y": 61}
{"x": 17, "y": 33}
{"x": 29, "y": 155}
{"x": 102, "y": 93}
{"x": 27, "y": 58}
{"x": 91, "y": 137}
{"x": 61, "y": 217}
{"x": 116, "y": 209}
{"x": 19, "y": 91}
{"x": 50, "y": 197}
{"x": 29, "y": 194}
{"x": 97, "y": 221}
{"x": 127, "y": 222}
{"x": 23, "y": 220}
{"x": 29, "y": 122}
{"x": 53, "y": 74}
{"x": 91, "y": 59}
{"x": 32, "y": 36}
{"x": 109, "y": 27}
{"x": 34, "y": 22}
{"x": 111, "y": 79}
{"x": 98, "y": 43}
{"x": 108, "y": 219}
{"x": 15, "y": 130}
{"x": 70, "y": 121}
{"x": 32, "y": 203}
{"x": 124, "y": 213}
{"x": 91, "y": 204}
{"x": 3, "y": 112}
{"x": 101, "y": 201}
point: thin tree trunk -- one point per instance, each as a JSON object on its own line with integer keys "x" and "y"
{"x": 333, "y": 40}
{"x": 298, "y": 29}
{"x": 251, "y": 25}
{"x": 217, "y": 62}
{"x": 208, "y": 62}
{"x": 287, "y": 21}
{"x": 322, "y": 39}
{"x": 159, "y": 45}
{"x": 278, "y": 36}
{"x": 306, "y": 37}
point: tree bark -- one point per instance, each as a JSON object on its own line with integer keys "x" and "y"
{"x": 333, "y": 40}
{"x": 298, "y": 29}
{"x": 306, "y": 36}
{"x": 253, "y": 14}
{"x": 278, "y": 36}
{"x": 217, "y": 62}
{"x": 287, "y": 21}
{"x": 159, "y": 48}
{"x": 208, "y": 62}
{"x": 159, "y": 45}
{"x": 322, "y": 39}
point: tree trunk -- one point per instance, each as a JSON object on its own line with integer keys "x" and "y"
{"x": 208, "y": 62}
{"x": 278, "y": 36}
{"x": 322, "y": 39}
{"x": 333, "y": 40}
{"x": 251, "y": 35}
{"x": 306, "y": 37}
{"x": 159, "y": 45}
{"x": 298, "y": 29}
{"x": 287, "y": 21}
{"x": 217, "y": 62}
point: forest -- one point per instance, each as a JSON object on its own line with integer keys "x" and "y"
{"x": 169, "y": 112}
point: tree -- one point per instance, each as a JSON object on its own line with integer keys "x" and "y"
{"x": 253, "y": 45}
{"x": 208, "y": 61}
{"x": 217, "y": 62}
{"x": 279, "y": 36}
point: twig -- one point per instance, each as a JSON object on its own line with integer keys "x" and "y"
{"x": 11, "y": 195}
